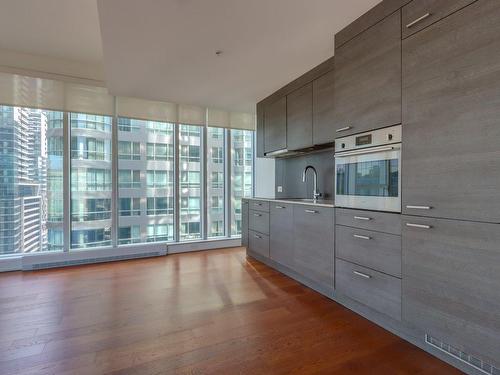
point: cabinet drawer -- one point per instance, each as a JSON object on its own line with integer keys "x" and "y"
{"x": 421, "y": 13}
{"x": 258, "y": 243}
{"x": 259, "y": 205}
{"x": 379, "y": 251}
{"x": 379, "y": 291}
{"x": 370, "y": 220}
{"x": 259, "y": 221}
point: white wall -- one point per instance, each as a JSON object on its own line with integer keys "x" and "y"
{"x": 264, "y": 178}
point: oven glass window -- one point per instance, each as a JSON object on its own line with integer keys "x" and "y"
{"x": 378, "y": 178}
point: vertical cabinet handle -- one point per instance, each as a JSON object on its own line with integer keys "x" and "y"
{"x": 311, "y": 211}
{"x": 361, "y": 274}
{"x": 362, "y": 218}
{"x": 418, "y": 207}
{"x": 421, "y": 226}
{"x": 419, "y": 19}
{"x": 343, "y": 129}
{"x": 361, "y": 237}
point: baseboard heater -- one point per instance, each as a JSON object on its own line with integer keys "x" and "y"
{"x": 466, "y": 358}
{"x": 77, "y": 262}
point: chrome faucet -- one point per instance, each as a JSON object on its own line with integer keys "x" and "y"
{"x": 316, "y": 193}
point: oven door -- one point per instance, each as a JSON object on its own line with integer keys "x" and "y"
{"x": 369, "y": 178}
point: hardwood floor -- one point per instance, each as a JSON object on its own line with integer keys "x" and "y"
{"x": 213, "y": 312}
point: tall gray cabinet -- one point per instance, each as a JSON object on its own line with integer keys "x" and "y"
{"x": 451, "y": 112}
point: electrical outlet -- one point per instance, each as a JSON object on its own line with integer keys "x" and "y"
{"x": 280, "y": 189}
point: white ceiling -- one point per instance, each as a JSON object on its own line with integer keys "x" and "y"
{"x": 165, "y": 50}
{"x": 66, "y": 29}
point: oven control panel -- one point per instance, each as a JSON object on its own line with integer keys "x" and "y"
{"x": 372, "y": 138}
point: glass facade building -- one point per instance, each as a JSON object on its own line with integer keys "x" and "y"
{"x": 130, "y": 181}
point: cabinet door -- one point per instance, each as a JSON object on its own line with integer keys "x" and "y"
{"x": 299, "y": 118}
{"x": 451, "y": 111}
{"x": 260, "y": 130}
{"x": 417, "y": 15}
{"x": 244, "y": 223}
{"x": 313, "y": 243}
{"x": 368, "y": 79}
{"x": 451, "y": 279}
{"x": 281, "y": 234}
{"x": 323, "y": 131}
{"x": 275, "y": 125}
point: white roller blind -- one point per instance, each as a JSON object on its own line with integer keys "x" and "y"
{"x": 192, "y": 115}
{"x": 88, "y": 99}
{"x": 218, "y": 118}
{"x": 146, "y": 109}
{"x": 241, "y": 120}
{"x": 23, "y": 91}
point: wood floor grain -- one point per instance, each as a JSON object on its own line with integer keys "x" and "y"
{"x": 212, "y": 312}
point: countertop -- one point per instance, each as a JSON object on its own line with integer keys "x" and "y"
{"x": 308, "y": 202}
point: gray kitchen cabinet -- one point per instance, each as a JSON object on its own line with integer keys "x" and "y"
{"x": 258, "y": 243}
{"x": 374, "y": 289}
{"x": 368, "y": 79}
{"x": 299, "y": 118}
{"x": 258, "y": 221}
{"x": 451, "y": 280}
{"x": 451, "y": 107}
{"x": 370, "y": 220}
{"x": 281, "y": 234}
{"x": 419, "y": 14}
{"x": 313, "y": 235}
{"x": 322, "y": 109}
{"x": 275, "y": 125}
{"x": 244, "y": 222}
{"x": 375, "y": 250}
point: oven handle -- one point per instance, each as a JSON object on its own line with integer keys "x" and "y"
{"x": 366, "y": 151}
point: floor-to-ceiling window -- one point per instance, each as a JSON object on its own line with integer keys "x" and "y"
{"x": 91, "y": 180}
{"x": 216, "y": 165}
{"x": 78, "y": 179}
{"x": 190, "y": 175}
{"x": 31, "y": 204}
{"x": 146, "y": 194}
{"x": 241, "y": 174}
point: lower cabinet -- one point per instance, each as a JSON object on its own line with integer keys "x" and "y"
{"x": 258, "y": 243}
{"x": 451, "y": 283}
{"x": 281, "y": 234}
{"x": 313, "y": 234}
{"x": 375, "y": 289}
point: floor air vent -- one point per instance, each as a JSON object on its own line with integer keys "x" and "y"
{"x": 470, "y": 360}
{"x": 40, "y": 266}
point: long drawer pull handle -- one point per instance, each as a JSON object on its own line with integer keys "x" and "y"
{"x": 362, "y": 218}
{"x": 362, "y": 274}
{"x": 280, "y": 207}
{"x": 258, "y": 215}
{"x": 311, "y": 211}
{"x": 361, "y": 237}
{"x": 257, "y": 204}
{"x": 343, "y": 129}
{"x": 259, "y": 237}
{"x": 419, "y": 207}
{"x": 422, "y": 226}
{"x": 426, "y": 15}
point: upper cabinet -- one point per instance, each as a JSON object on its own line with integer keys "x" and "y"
{"x": 275, "y": 125}
{"x": 322, "y": 109}
{"x": 299, "y": 116}
{"x": 419, "y": 14}
{"x": 451, "y": 112}
{"x": 368, "y": 79}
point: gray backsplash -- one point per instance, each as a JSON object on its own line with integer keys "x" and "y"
{"x": 289, "y": 175}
